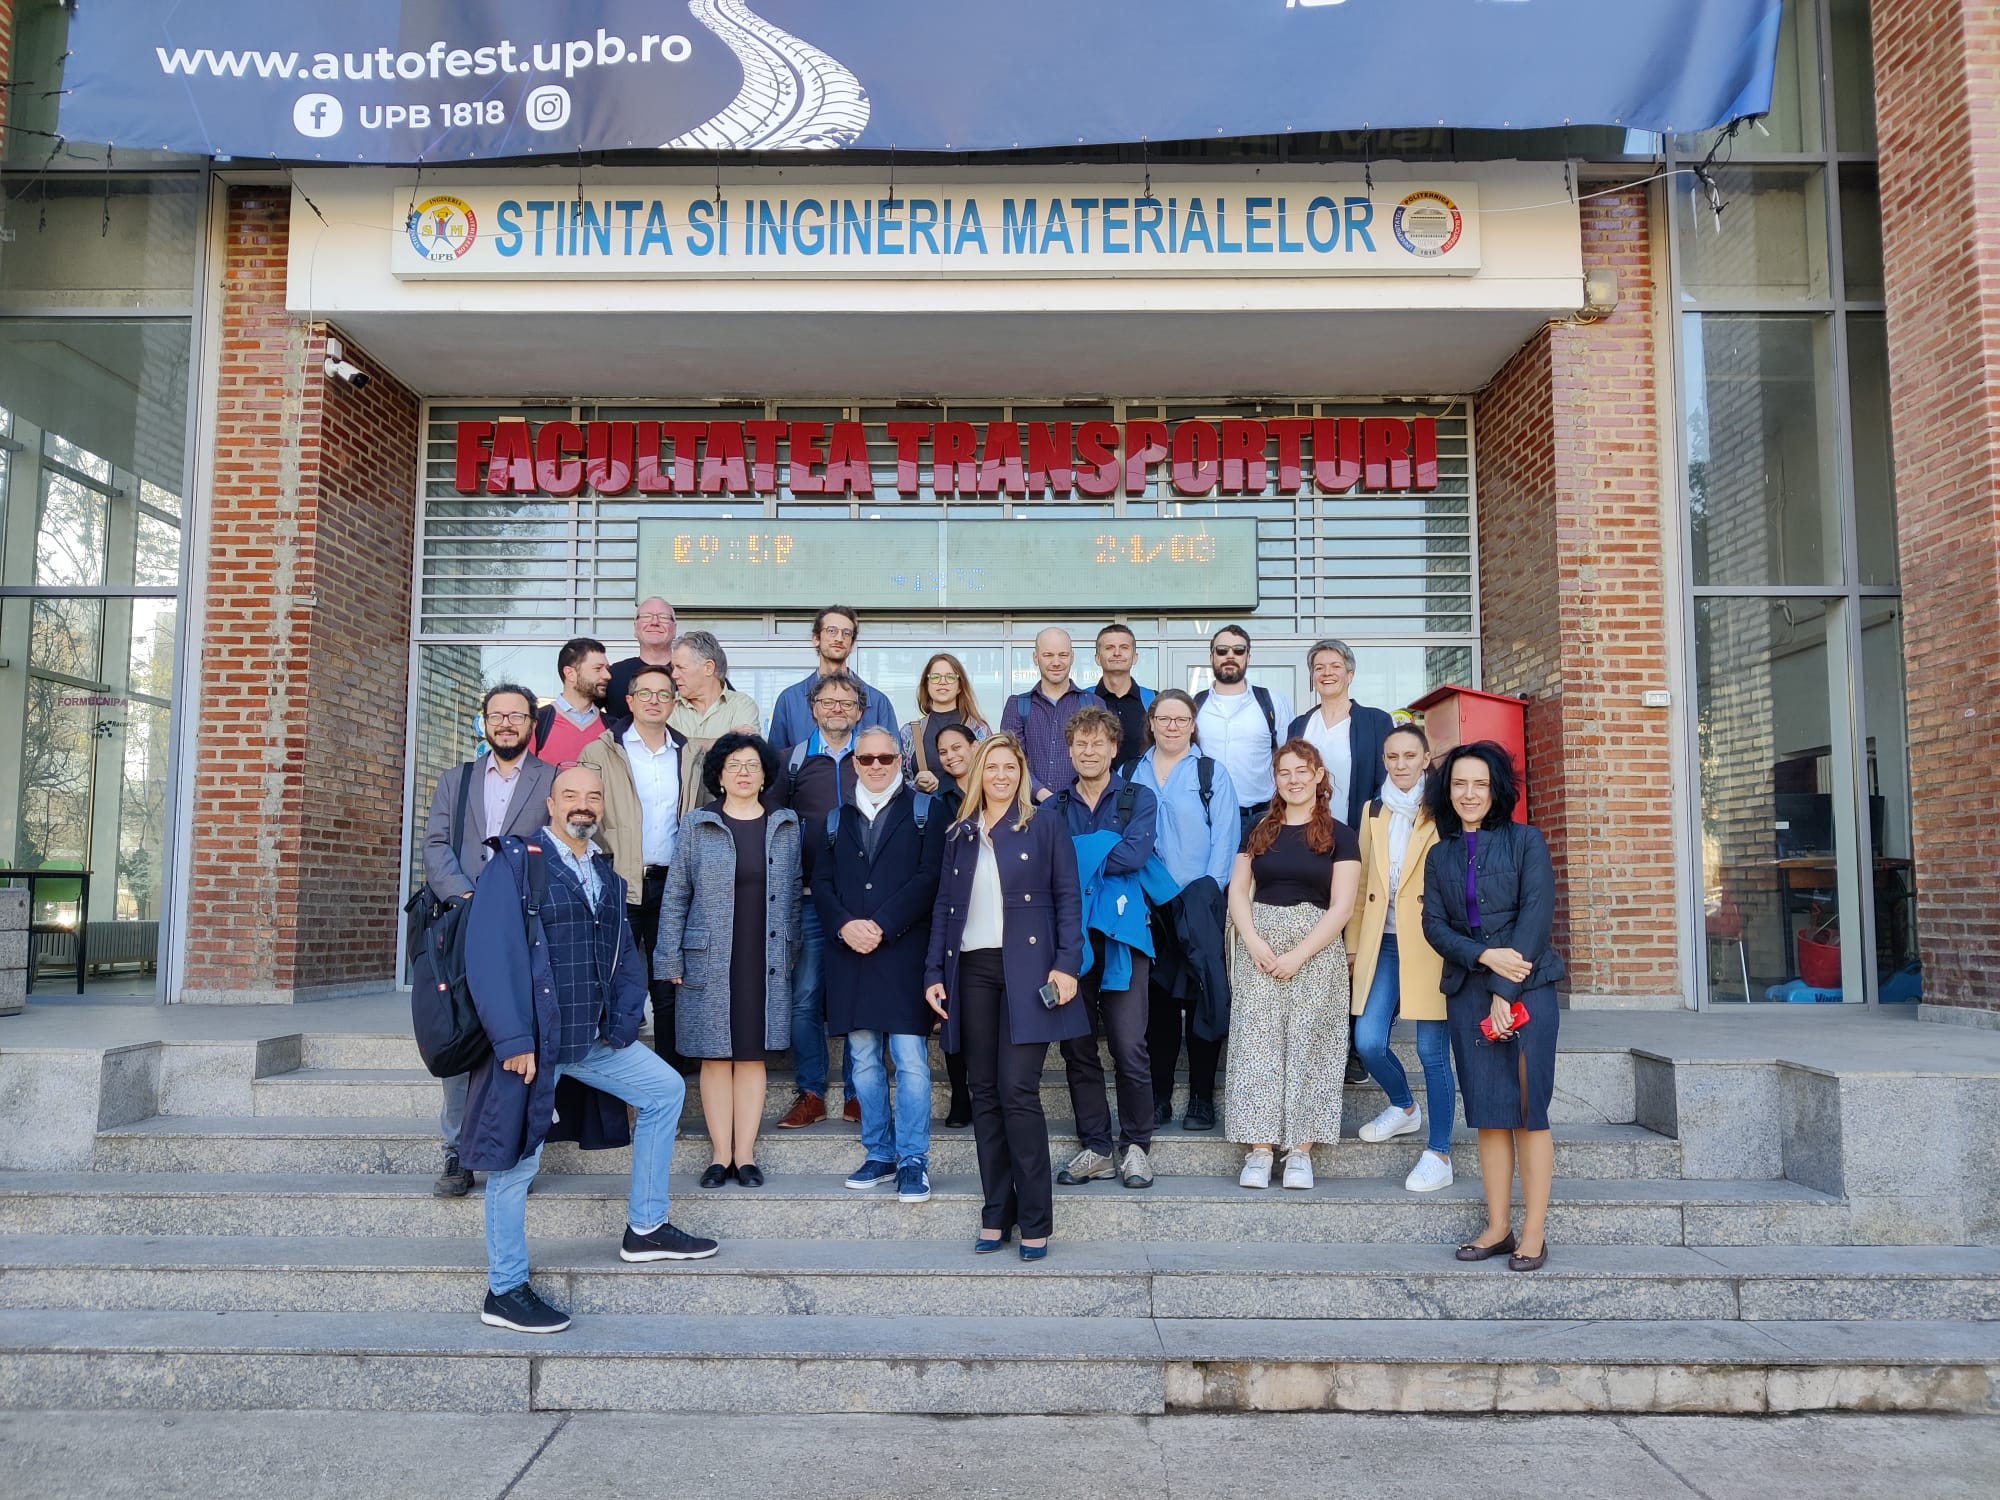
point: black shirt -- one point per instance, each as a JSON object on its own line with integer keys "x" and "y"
{"x": 1289, "y": 873}
{"x": 617, "y": 705}
{"x": 818, "y": 788}
{"x": 1133, "y": 740}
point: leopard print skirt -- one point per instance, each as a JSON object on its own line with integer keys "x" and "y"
{"x": 1287, "y": 1040}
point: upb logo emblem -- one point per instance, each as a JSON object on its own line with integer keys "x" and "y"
{"x": 443, "y": 228}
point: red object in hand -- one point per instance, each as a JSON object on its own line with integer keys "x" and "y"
{"x": 1516, "y": 1021}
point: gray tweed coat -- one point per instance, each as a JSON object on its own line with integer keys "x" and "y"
{"x": 697, "y": 919}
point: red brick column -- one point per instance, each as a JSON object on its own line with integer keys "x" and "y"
{"x": 1573, "y": 614}
{"x": 1937, "y": 87}
{"x": 295, "y": 840}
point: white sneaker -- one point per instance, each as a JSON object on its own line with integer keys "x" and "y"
{"x": 1298, "y": 1169}
{"x": 1256, "y": 1169}
{"x": 1391, "y": 1123}
{"x": 1429, "y": 1174}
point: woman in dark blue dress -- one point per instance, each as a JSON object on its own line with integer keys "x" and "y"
{"x": 1489, "y": 907}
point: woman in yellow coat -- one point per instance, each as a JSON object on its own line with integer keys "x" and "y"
{"x": 1394, "y": 968}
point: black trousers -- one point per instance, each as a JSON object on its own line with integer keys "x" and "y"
{"x": 645, "y": 920}
{"x": 1005, "y": 1077}
{"x": 1121, "y": 1017}
{"x": 1172, "y": 1021}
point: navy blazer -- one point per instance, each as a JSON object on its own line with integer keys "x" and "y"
{"x": 896, "y": 890}
{"x": 1042, "y": 927}
{"x": 1517, "y": 908}
{"x": 1367, "y": 733}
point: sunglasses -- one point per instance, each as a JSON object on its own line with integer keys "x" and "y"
{"x": 876, "y": 760}
{"x": 1230, "y": 650}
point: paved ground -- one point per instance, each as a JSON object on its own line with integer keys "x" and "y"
{"x": 224, "y": 1456}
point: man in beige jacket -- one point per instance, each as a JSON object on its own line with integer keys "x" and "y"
{"x": 652, "y": 778}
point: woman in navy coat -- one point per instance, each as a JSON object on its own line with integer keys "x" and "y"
{"x": 1008, "y": 927}
{"x": 875, "y": 884}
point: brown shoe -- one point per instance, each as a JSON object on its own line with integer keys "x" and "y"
{"x": 807, "y": 1109}
{"x": 851, "y": 1111}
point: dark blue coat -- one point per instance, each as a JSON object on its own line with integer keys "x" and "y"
{"x": 1517, "y": 908}
{"x": 1369, "y": 731}
{"x": 1043, "y": 928}
{"x": 897, "y": 890}
{"x": 514, "y": 992}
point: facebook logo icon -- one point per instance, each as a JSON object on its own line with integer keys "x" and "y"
{"x": 316, "y": 115}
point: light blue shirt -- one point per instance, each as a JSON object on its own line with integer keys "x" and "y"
{"x": 1187, "y": 844}
{"x": 792, "y": 720}
{"x": 584, "y": 869}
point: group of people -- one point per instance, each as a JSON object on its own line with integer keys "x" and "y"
{"x": 1145, "y": 870}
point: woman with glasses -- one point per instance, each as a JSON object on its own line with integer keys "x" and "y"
{"x": 1006, "y": 949}
{"x": 944, "y": 697}
{"x": 729, "y": 934}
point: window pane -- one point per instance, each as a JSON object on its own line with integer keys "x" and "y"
{"x": 1772, "y": 844}
{"x": 66, "y": 253}
{"x": 69, "y": 540}
{"x": 1761, "y": 481}
{"x": 1768, "y": 246}
{"x": 1887, "y": 729}
{"x": 1861, "y": 232}
{"x": 1794, "y": 121}
{"x": 1874, "y": 460}
{"x": 1853, "y": 77}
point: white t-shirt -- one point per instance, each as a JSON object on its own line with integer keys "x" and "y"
{"x": 1336, "y": 748}
{"x": 1233, "y": 730}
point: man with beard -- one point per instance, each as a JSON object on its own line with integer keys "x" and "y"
{"x": 505, "y": 791}
{"x": 564, "y": 727}
{"x": 561, "y": 993}
{"x": 1239, "y": 724}
{"x": 653, "y": 627}
{"x": 835, "y": 631}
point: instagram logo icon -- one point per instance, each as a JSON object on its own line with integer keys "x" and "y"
{"x": 548, "y": 107}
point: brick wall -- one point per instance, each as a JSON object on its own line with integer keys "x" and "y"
{"x": 1937, "y": 82}
{"x": 294, "y": 846}
{"x": 1572, "y": 598}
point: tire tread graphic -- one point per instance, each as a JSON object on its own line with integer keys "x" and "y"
{"x": 794, "y": 96}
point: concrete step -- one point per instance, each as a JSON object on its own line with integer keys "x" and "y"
{"x": 232, "y": 1143}
{"x": 940, "y": 1278}
{"x": 408, "y": 1361}
{"x": 1583, "y": 1211}
{"x": 411, "y": 1093}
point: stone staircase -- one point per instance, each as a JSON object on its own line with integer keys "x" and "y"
{"x": 267, "y": 1239}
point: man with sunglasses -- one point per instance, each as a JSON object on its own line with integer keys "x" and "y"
{"x": 835, "y": 631}
{"x": 1239, "y": 724}
{"x": 504, "y": 790}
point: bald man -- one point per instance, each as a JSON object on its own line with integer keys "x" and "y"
{"x": 561, "y": 994}
{"x": 1039, "y": 716}
{"x": 653, "y": 627}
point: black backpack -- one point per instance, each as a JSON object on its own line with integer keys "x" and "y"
{"x": 450, "y": 1038}
{"x": 1263, "y": 697}
{"x": 1121, "y": 811}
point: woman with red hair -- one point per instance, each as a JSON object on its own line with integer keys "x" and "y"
{"x": 1290, "y": 895}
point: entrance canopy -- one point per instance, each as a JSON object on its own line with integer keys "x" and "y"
{"x": 452, "y": 81}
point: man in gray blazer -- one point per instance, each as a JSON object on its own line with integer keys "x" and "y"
{"x": 508, "y": 794}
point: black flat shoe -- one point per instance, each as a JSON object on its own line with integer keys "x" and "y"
{"x": 716, "y": 1175}
{"x": 749, "y": 1174}
{"x": 1504, "y": 1246}
{"x": 1530, "y": 1262}
{"x": 959, "y": 1115}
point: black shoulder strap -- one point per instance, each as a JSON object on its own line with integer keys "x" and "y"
{"x": 458, "y": 814}
{"x": 538, "y": 879}
{"x": 1059, "y": 804}
{"x": 545, "y": 720}
{"x": 1270, "y": 713}
{"x": 1204, "y": 775}
{"x": 1128, "y": 794}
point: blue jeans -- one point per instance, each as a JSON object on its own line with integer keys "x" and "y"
{"x": 809, "y": 1049}
{"x": 634, "y": 1074}
{"x": 1371, "y": 1044}
{"x": 907, "y": 1136}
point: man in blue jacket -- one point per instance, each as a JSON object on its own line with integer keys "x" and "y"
{"x": 561, "y": 990}
{"x": 836, "y": 629}
{"x": 1098, "y": 801}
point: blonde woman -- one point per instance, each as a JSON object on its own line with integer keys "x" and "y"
{"x": 1395, "y": 969}
{"x": 1006, "y": 950}
{"x": 944, "y": 698}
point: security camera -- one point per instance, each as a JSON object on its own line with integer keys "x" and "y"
{"x": 353, "y": 374}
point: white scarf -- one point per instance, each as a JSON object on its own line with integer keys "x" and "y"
{"x": 1404, "y": 808}
{"x": 872, "y": 803}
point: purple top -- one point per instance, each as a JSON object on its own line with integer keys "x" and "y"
{"x": 1472, "y": 879}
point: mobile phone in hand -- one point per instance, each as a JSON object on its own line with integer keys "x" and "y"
{"x": 1517, "y": 1018}
{"x": 1050, "y": 997}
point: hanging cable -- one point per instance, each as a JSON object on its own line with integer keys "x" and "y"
{"x": 104, "y": 229}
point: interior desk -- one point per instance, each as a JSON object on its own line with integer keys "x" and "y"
{"x": 1810, "y": 882}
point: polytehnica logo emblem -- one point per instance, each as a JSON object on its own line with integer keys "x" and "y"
{"x": 443, "y": 228}
{"x": 1428, "y": 224}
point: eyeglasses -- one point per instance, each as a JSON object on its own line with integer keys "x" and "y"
{"x": 846, "y": 705}
{"x": 836, "y": 633}
{"x": 656, "y": 619}
{"x": 1229, "y": 650}
{"x": 508, "y": 720}
{"x": 651, "y": 695}
{"x": 1171, "y": 721}
{"x": 876, "y": 760}
{"x": 942, "y": 677}
{"x": 743, "y": 767}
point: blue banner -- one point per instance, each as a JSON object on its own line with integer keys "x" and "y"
{"x": 472, "y": 80}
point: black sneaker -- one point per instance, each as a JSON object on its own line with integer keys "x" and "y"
{"x": 665, "y": 1243}
{"x": 522, "y": 1311}
{"x": 1163, "y": 1111}
{"x": 1200, "y": 1114}
{"x": 454, "y": 1181}
{"x": 1357, "y": 1070}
